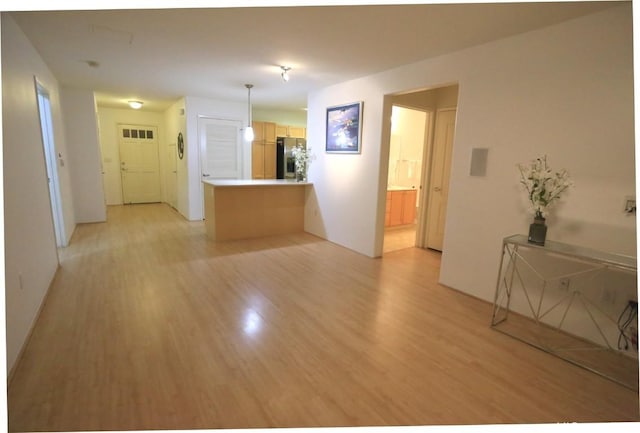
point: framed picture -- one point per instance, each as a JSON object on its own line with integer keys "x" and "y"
{"x": 344, "y": 128}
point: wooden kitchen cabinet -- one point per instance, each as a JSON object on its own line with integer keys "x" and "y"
{"x": 400, "y": 208}
{"x": 282, "y": 131}
{"x": 291, "y": 131}
{"x": 263, "y": 151}
{"x": 297, "y": 132}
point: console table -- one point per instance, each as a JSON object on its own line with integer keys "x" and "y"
{"x": 576, "y": 303}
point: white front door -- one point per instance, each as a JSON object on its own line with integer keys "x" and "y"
{"x": 440, "y": 173}
{"x": 139, "y": 164}
{"x": 220, "y": 148}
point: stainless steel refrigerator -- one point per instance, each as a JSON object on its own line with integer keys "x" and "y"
{"x": 285, "y": 163}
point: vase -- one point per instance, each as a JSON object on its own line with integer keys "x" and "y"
{"x": 300, "y": 177}
{"x": 538, "y": 231}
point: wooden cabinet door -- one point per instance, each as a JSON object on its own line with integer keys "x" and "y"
{"x": 282, "y": 131}
{"x": 401, "y": 208}
{"x": 258, "y": 130}
{"x": 263, "y": 150}
{"x": 409, "y": 207}
{"x": 269, "y": 160}
{"x": 291, "y": 131}
{"x": 297, "y": 132}
{"x": 395, "y": 218}
{"x": 387, "y": 213}
{"x": 269, "y": 132}
{"x": 257, "y": 159}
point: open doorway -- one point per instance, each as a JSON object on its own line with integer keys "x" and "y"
{"x": 420, "y": 148}
{"x": 409, "y": 131}
{"x": 51, "y": 159}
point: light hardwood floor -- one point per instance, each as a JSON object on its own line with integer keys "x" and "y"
{"x": 398, "y": 238}
{"x": 148, "y": 325}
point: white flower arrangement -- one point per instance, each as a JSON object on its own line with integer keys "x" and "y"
{"x": 543, "y": 185}
{"x": 302, "y": 158}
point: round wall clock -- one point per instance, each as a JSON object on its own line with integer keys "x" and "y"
{"x": 180, "y": 145}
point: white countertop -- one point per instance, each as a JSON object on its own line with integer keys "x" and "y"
{"x": 400, "y": 188}
{"x": 254, "y": 182}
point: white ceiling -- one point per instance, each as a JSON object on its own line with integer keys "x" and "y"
{"x": 160, "y": 55}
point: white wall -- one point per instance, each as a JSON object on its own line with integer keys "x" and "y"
{"x": 566, "y": 90}
{"x": 83, "y": 148}
{"x": 29, "y": 241}
{"x": 109, "y": 118}
{"x": 281, "y": 117}
{"x": 196, "y": 107}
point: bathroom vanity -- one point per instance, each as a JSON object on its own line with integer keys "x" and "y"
{"x": 401, "y": 206}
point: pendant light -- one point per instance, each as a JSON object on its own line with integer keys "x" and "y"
{"x": 285, "y": 73}
{"x": 248, "y": 132}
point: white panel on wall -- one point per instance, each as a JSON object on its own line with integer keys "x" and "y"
{"x": 478, "y": 166}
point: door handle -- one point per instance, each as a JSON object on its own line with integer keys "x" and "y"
{"x": 437, "y": 189}
{"x": 203, "y": 174}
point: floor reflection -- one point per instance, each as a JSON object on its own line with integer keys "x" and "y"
{"x": 399, "y": 238}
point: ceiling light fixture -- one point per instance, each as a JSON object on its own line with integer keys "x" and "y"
{"x": 285, "y": 73}
{"x": 136, "y": 105}
{"x": 248, "y": 132}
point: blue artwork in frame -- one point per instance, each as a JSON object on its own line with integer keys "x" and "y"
{"x": 344, "y": 128}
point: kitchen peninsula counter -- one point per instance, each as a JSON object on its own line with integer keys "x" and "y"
{"x": 242, "y": 208}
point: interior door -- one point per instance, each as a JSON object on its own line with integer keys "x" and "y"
{"x": 220, "y": 148}
{"x": 51, "y": 159}
{"x": 139, "y": 164}
{"x": 171, "y": 177}
{"x": 440, "y": 173}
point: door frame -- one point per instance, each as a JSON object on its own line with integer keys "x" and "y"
{"x": 425, "y": 164}
{"x": 119, "y": 127}
{"x": 51, "y": 160}
{"x": 201, "y": 151}
{"x": 385, "y": 145}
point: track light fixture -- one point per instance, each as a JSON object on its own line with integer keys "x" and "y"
{"x": 285, "y": 73}
{"x": 248, "y": 132}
